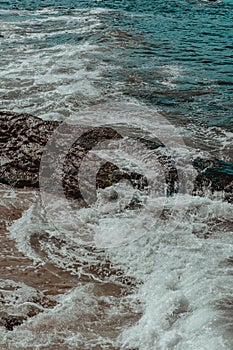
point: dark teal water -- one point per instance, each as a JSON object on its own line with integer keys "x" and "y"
{"x": 176, "y": 55}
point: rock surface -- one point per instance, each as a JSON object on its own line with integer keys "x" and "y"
{"x": 216, "y": 175}
{"x": 19, "y": 301}
{"x": 23, "y": 139}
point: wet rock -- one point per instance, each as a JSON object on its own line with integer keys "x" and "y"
{"x": 18, "y": 302}
{"x": 215, "y": 175}
{"x": 23, "y": 139}
{"x": 11, "y": 321}
{"x": 150, "y": 144}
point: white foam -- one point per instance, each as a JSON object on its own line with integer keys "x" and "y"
{"x": 183, "y": 281}
{"x": 49, "y": 80}
{"x": 186, "y": 279}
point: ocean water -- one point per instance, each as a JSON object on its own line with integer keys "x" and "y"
{"x": 157, "y": 69}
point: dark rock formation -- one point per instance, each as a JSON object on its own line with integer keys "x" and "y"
{"x": 215, "y": 175}
{"x": 18, "y": 302}
{"x": 23, "y": 139}
{"x": 11, "y": 321}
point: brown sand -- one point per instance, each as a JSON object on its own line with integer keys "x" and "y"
{"x": 14, "y": 265}
{"x": 49, "y": 279}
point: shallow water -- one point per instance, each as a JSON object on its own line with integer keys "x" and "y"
{"x": 176, "y": 55}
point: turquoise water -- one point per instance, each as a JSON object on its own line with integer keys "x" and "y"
{"x": 176, "y": 55}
